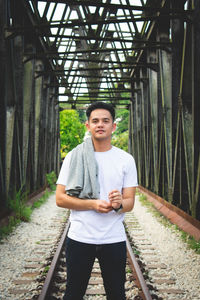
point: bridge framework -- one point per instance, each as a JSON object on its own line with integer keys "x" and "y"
{"x": 157, "y": 80}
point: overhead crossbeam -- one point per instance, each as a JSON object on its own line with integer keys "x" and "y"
{"x": 92, "y": 43}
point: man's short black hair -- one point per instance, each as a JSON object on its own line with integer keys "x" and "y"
{"x": 101, "y": 105}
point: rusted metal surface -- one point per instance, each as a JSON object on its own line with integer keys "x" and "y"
{"x": 29, "y": 147}
{"x": 174, "y": 214}
{"x": 136, "y": 269}
{"x": 166, "y": 146}
{"x": 139, "y": 280}
{"x": 144, "y": 57}
{"x": 48, "y": 281}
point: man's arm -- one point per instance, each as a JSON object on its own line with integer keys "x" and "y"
{"x": 66, "y": 201}
{"x": 126, "y": 198}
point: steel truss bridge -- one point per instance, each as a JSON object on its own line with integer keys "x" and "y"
{"x": 143, "y": 55}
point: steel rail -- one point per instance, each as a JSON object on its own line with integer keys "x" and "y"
{"x": 47, "y": 284}
{"x": 136, "y": 268}
{"x": 132, "y": 260}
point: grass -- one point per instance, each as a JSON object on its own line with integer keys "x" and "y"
{"x": 46, "y": 270}
{"x": 51, "y": 180}
{"x": 136, "y": 251}
{"x": 6, "y": 230}
{"x": 21, "y": 211}
{"x": 19, "y": 207}
{"x": 188, "y": 239}
{"x": 128, "y": 270}
{"x": 42, "y": 200}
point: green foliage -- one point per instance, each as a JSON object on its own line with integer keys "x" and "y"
{"x": 46, "y": 270}
{"x": 18, "y": 206}
{"x": 121, "y": 135}
{"x": 82, "y": 115}
{"x": 192, "y": 243}
{"x": 12, "y": 223}
{"x": 122, "y": 119}
{"x": 72, "y": 131}
{"x": 51, "y": 180}
{"x": 121, "y": 141}
{"x": 42, "y": 200}
{"x": 26, "y": 213}
{"x": 128, "y": 270}
{"x": 189, "y": 240}
{"x": 21, "y": 212}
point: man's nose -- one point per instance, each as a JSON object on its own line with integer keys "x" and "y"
{"x": 100, "y": 123}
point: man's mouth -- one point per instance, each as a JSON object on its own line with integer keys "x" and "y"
{"x": 100, "y": 131}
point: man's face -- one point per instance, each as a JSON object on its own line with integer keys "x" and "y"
{"x": 100, "y": 124}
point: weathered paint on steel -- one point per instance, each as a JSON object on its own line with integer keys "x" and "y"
{"x": 10, "y": 121}
{"x": 172, "y": 131}
{"x": 37, "y": 107}
{"x": 164, "y": 109}
{"x": 27, "y": 103}
{"x": 145, "y": 122}
{"x": 153, "y": 97}
{"x": 166, "y": 95}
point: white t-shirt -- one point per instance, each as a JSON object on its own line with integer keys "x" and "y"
{"x": 117, "y": 170}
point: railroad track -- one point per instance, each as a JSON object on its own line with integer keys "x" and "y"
{"x": 147, "y": 277}
{"x": 26, "y": 282}
{"x": 54, "y": 284}
{"x": 156, "y": 273}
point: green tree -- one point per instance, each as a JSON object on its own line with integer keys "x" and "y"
{"x": 122, "y": 117}
{"x": 121, "y": 140}
{"x": 72, "y": 131}
{"x": 120, "y": 136}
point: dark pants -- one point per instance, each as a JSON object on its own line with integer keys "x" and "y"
{"x": 80, "y": 258}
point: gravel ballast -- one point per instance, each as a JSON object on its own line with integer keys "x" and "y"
{"x": 20, "y": 245}
{"x": 183, "y": 263}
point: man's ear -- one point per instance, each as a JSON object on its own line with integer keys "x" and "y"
{"x": 114, "y": 127}
{"x": 87, "y": 125}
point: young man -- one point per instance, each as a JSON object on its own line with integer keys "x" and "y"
{"x": 97, "y": 203}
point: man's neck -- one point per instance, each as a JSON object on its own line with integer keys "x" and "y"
{"x": 101, "y": 145}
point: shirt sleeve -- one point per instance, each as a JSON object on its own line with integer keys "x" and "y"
{"x": 130, "y": 178}
{"x": 62, "y": 178}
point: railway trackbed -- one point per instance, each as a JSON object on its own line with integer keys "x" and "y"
{"x": 54, "y": 284}
{"x": 146, "y": 276}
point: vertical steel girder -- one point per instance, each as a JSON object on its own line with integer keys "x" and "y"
{"x": 13, "y": 112}
{"x": 24, "y": 105}
{"x": 153, "y": 99}
{"x": 166, "y": 97}
{"x": 37, "y": 119}
{"x": 188, "y": 97}
{"x": 196, "y": 110}
{"x": 144, "y": 123}
{"x": 167, "y": 147}
{"x": 164, "y": 112}
{"x": 10, "y": 121}
{"x": 27, "y": 104}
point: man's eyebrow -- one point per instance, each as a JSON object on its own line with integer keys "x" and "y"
{"x": 100, "y": 118}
